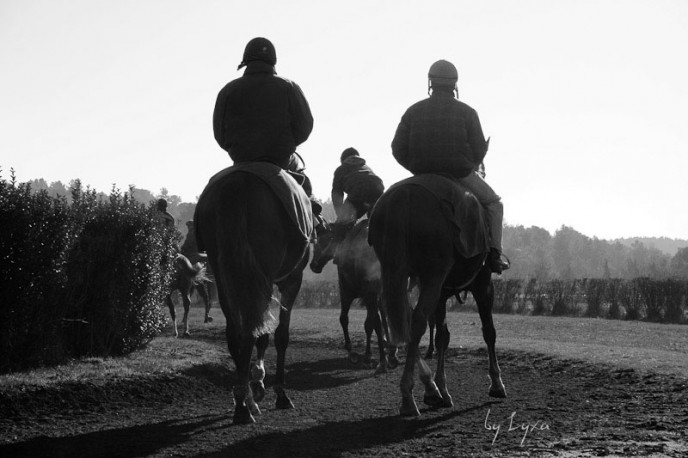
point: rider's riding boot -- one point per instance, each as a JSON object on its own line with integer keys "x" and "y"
{"x": 496, "y": 263}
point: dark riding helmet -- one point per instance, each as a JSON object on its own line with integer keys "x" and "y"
{"x": 259, "y": 49}
{"x": 443, "y": 73}
{"x": 348, "y": 153}
{"x": 162, "y": 204}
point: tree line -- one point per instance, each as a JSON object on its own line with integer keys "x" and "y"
{"x": 534, "y": 252}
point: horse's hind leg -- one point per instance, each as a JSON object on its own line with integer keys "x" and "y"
{"x": 427, "y": 301}
{"x": 442, "y": 343}
{"x": 483, "y": 293}
{"x": 241, "y": 348}
{"x": 289, "y": 290}
{"x": 173, "y": 314}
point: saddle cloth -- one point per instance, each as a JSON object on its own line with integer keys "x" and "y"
{"x": 291, "y": 195}
{"x": 460, "y": 208}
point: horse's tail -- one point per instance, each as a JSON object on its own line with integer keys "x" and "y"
{"x": 249, "y": 288}
{"x": 390, "y": 247}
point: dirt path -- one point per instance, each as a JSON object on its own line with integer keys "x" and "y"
{"x": 556, "y": 407}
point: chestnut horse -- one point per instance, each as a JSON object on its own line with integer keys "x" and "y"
{"x": 252, "y": 244}
{"x": 188, "y": 278}
{"x": 412, "y": 237}
{"x": 358, "y": 273}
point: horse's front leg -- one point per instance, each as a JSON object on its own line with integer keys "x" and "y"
{"x": 369, "y": 326}
{"x": 483, "y": 291}
{"x": 392, "y": 350}
{"x": 204, "y": 291}
{"x": 173, "y": 314}
{"x": 373, "y": 323}
{"x": 431, "y": 341}
{"x": 258, "y": 368}
{"x": 186, "y": 300}
{"x": 346, "y": 299}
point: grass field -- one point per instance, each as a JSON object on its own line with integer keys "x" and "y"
{"x": 662, "y": 348}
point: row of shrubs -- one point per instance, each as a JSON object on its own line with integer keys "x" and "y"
{"x": 85, "y": 278}
{"x": 657, "y": 300}
{"x": 638, "y": 299}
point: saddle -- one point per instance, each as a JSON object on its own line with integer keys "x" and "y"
{"x": 459, "y": 207}
{"x": 291, "y": 195}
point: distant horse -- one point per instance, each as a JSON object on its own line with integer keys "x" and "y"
{"x": 358, "y": 272}
{"x": 412, "y": 236}
{"x": 252, "y": 243}
{"x": 188, "y": 278}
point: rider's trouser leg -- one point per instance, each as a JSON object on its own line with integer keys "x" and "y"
{"x": 492, "y": 204}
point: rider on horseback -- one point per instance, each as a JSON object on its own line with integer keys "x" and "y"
{"x": 263, "y": 117}
{"x": 362, "y": 187}
{"x": 442, "y": 135}
{"x": 162, "y": 214}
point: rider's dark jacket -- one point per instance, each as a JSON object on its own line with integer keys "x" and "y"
{"x": 261, "y": 116}
{"x": 440, "y": 135}
{"x": 355, "y": 178}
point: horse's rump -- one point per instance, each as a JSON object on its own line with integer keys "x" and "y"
{"x": 195, "y": 273}
{"x": 460, "y": 208}
{"x": 285, "y": 188}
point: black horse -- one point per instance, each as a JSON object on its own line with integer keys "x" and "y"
{"x": 412, "y": 237}
{"x": 358, "y": 272}
{"x": 252, "y": 244}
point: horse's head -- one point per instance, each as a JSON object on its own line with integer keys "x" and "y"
{"x": 323, "y": 249}
{"x": 330, "y": 235}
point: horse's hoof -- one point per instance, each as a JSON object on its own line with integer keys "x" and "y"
{"x": 258, "y": 390}
{"x": 381, "y": 368}
{"x": 354, "y": 357}
{"x": 497, "y": 392}
{"x": 283, "y": 402}
{"x": 208, "y": 319}
{"x": 447, "y": 400}
{"x": 409, "y": 409}
{"x": 434, "y": 400}
{"x": 187, "y": 334}
{"x": 242, "y": 416}
{"x": 429, "y": 355}
{"x": 393, "y": 362}
{"x": 253, "y": 408}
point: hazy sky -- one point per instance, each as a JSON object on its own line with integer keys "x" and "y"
{"x": 585, "y": 101}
